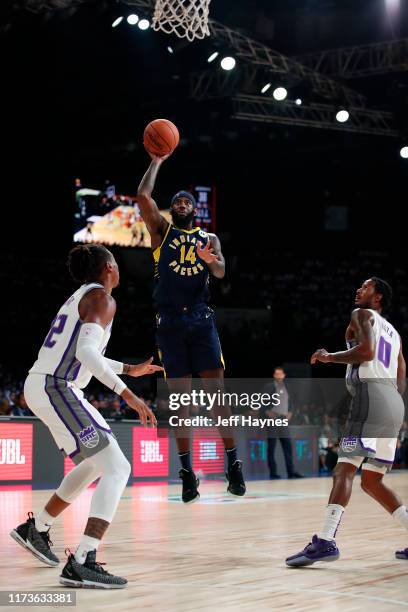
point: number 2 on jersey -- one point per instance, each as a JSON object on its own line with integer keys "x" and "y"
{"x": 191, "y": 256}
{"x": 384, "y": 352}
{"x": 57, "y": 327}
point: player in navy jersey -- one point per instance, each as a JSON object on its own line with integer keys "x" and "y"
{"x": 185, "y": 256}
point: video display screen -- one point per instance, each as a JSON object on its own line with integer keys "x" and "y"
{"x": 150, "y": 453}
{"x": 106, "y": 217}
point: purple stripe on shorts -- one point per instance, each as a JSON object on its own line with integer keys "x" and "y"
{"x": 62, "y": 419}
{"x": 372, "y": 450}
{"x": 78, "y": 323}
{"x": 68, "y": 405}
{"x": 384, "y": 460}
{"x": 88, "y": 413}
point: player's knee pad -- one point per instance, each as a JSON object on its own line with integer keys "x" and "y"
{"x": 121, "y": 470}
{"x": 80, "y": 477}
{"x": 356, "y": 461}
{"x": 113, "y": 462}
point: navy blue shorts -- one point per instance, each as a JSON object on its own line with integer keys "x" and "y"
{"x": 188, "y": 341}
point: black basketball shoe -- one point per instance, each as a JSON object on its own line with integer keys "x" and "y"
{"x": 89, "y": 575}
{"x": 37, "y": 542}
{"x": 190, "y": 483}
{"x": 236, "y": 483}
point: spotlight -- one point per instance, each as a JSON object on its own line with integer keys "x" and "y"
{"x": 170, "y": 50}
{"x": 117, "y": 22}
{"x": 228, "y": 63}
{"x": 212, "y": 57}
{"x": 404, "y": 152}
{"x": 144, "y": 24}
{"x": 132, "y": 19}
{"x": 266, "y": 87}
{"x": 392, "y": 6}
{"x": 280, "y": 93}
{"x": 342, "y": 116}
{"x": 301, "y": 93}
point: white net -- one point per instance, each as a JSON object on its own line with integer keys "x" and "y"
{"x": 185, "y": 18}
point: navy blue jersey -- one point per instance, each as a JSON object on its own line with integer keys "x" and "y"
{"x": 181, "y": 277}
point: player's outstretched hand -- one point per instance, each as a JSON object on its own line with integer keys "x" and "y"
{"x": 320, "y": 355}
{"x": 145, "y": 414}
{"x": 158, "y": 158}
{"x": 141, "y": 369}
{"x": 207, "y": 253}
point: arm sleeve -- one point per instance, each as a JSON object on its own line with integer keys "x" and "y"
{"x": 116, "y": 366}
{"x": 88, "y": 353}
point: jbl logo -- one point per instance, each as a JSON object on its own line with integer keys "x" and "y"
{"x": 150, "y": 451}
{"x": 10, "y": 453}
{"x": 208, "y": 451}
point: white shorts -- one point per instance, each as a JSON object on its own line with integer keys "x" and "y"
{"x": 375, "y": 419}
{"x": 379, "y": 451}
{"x": 76, "y": 426}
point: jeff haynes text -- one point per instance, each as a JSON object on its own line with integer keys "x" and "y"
{"x": 236, "y": 420}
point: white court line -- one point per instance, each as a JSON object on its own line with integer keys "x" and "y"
{"x": 219, "y": 498}
{"x": 272, "y": 589}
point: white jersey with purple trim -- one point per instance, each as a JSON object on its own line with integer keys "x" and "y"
{"x": 387, "y": 348}
{"x": 57, "y": 355}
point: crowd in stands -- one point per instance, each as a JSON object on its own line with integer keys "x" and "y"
{"x": 309, "y": 298}
{"x": 111, "y": 406}
{"x": 305, "y": 302}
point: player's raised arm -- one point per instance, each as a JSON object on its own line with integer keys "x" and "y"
{"x": 401, "y": 372}
{"x": 362, "y": 325}
{"x": 212, "y": 255}
{"x": 155, "y": 222}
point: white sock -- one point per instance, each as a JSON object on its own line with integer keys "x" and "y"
{"x": 86, "y": 544}
{"x": 333, "y": 518}
{"x": 43, "y": 521}
{"x": 401, "y": 515}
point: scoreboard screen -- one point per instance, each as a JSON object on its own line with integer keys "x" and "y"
{"x": 206, "y": 207}
{"x": 106, "y": 217}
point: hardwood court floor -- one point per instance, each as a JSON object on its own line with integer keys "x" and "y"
{"x": 222, "y": 553}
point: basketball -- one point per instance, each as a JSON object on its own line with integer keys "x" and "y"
{"x": 161, "y": 137}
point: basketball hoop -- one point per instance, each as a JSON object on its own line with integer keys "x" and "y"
{"x": 184, "y": 18}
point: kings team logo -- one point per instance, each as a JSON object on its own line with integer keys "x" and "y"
{"x": 349, "y": 444}
{"x": 89, "y": 437}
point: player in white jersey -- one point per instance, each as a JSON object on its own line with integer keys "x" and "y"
{"x": 71, "y": 354}
{"x": 375, "y": 377}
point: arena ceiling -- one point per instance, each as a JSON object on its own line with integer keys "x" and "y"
{"x": 79, "y": 92}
